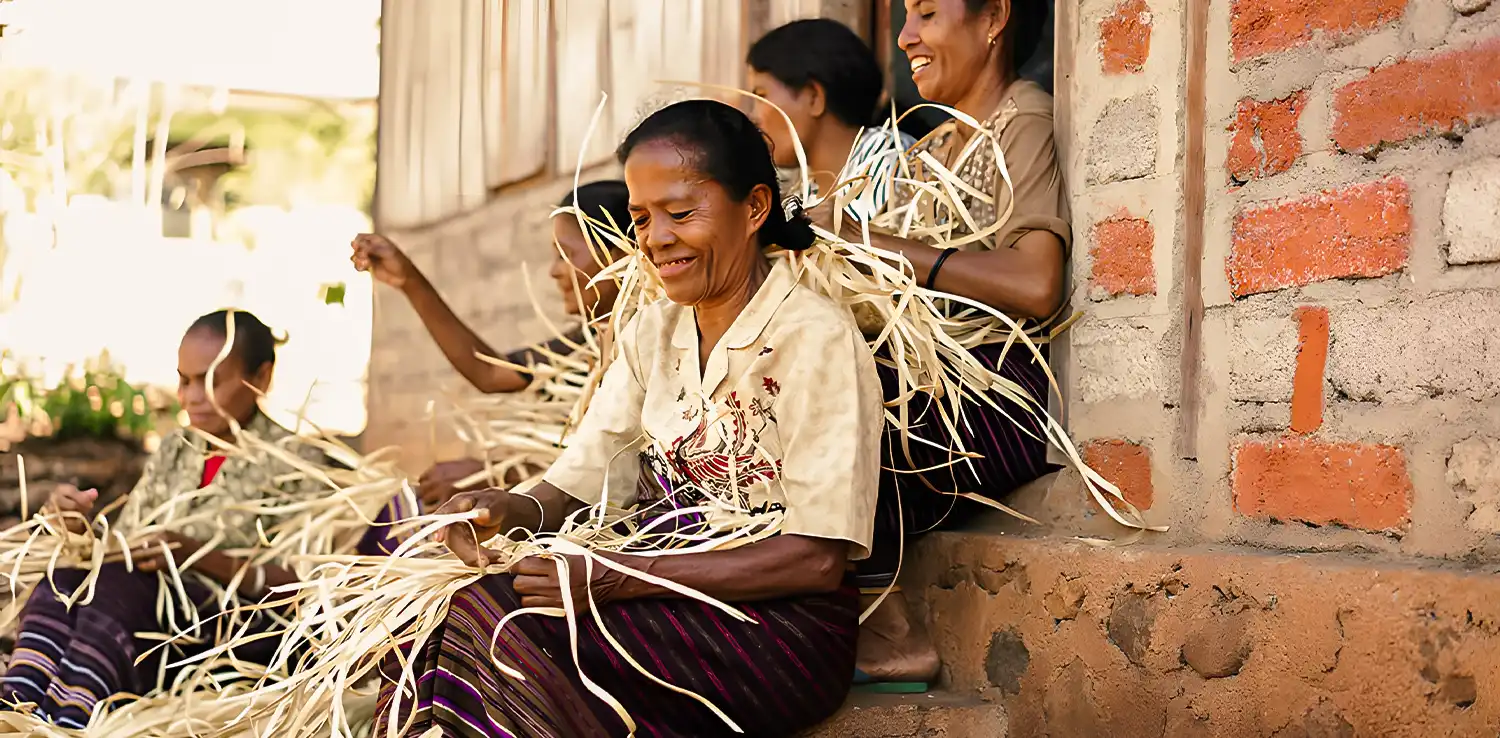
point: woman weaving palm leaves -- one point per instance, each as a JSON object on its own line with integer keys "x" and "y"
{"x": 197, "y": 518}
{"x": 744, "y": 395}
{"x": 692, "y": 551}
{"x": 1004, "y": 248}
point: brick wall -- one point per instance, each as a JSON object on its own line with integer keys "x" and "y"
{"x": 1349, "y": 375}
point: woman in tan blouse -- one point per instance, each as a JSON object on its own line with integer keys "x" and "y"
{"x": 964, "y": 54}
{"x": 745, "y": 396}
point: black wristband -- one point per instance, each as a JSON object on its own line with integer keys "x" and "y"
{"x": 936, "y": 265}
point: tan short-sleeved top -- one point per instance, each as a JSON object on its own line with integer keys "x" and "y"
{"x": 1024, "y": 124}
{"x": 168, "y": 491}
{"x": 786, "y": 415}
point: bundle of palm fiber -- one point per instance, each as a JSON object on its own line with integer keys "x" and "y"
{"x": 519, "y": 434}
{"x": 338, "y": 494}
{"x": 353, "y": 613}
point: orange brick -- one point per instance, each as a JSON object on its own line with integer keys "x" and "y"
{"x": 1363, "y": 486}
{"x": 1259, "y": 27}
{"x": 1419, "y": 97}
{"x": 1312, "y": 359}
{"x": 1126, "y": 464}
{"x": 1121, "y": 256}
{"x": 1363, "y": 230}
{"x": 1125, "y": 38}
{"x": 1266, "y": 140}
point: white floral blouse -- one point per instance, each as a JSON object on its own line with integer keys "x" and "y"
{"x": 786, "y": 415}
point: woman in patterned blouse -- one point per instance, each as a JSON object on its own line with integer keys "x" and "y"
{"x": 67, "y": 660}
{"x": 964, "y": 54}
{"x": 744, "y": 393}
{"x": 575, "y": 264}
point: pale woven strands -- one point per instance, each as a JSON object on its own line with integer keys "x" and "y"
{"x": 329, "y": 521}
{"x": 355, "y": 611}
{"x": 338, "y": 495}
{"x": 358, "y": 610}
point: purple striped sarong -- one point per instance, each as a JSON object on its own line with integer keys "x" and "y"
{"x": 66, "y": 661}
{"x": 785, "y": 672}
{"x": 914, "y": 503}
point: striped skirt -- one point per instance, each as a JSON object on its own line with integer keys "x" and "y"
{"x": 785, "y": 672}
{"x": 912, "y": 503}
{"x": 67, "y": 661}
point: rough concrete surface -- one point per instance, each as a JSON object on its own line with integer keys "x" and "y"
{"x": 1474, "y": 468}
{"x": 1116, "y": 359}
{"x": 933, "y": 715}
{"x": 1146, "y": 641}
{"x": 1263, "y": 358}
{"x": 1471, "y": 213}
{"x": 1409, "y": 351}
{"x": 1124, "y": 142}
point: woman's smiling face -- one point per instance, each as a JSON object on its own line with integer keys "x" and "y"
{"x": 699, "y": 238}
{"x": 949, "y": 47}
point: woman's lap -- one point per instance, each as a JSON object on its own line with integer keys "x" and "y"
{"x": 912, "y": 503}
{"x": 68, "y": 659}
{"x": 787, "y": 670}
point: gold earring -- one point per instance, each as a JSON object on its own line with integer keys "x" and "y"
{"x": 993, "y": 36}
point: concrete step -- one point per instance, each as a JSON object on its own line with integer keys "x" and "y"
{"x": 933, "y": 715}
{"x": 1141, "y": 639}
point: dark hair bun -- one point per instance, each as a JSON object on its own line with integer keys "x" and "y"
{"x": 796, "y": 232}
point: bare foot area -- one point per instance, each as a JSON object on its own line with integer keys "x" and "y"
{"x": 893, "y": 647}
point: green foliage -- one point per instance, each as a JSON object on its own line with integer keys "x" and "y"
{"x": 99, "y": 403}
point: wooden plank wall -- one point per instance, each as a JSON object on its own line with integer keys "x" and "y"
{"x": 477, "y": 95}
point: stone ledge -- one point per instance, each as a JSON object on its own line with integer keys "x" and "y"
{"x": 1210, "y": 641}
{"x": 934, "y": 715}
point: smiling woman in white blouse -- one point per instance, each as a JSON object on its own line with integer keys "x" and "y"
{"x": 743, "y": 393}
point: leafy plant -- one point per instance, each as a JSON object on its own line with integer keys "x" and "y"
{"x": 99, "y": 403}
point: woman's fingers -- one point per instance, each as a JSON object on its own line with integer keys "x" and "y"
{"x": 537, "y": 589}
{"x": 461, "y": 541}
{"x": 534, "y": 566}
{"x": 548, "y": 602}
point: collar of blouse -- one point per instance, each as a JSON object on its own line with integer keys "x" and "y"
{"x": 747, "y": 326}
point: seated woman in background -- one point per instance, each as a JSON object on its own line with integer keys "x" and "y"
{"x": 964, "y": 54}
{"x": 772, "y": 395}
{"x": 829, "y": 84}
{"x": 603, "y": 201}
{"x": 67, "y": 660}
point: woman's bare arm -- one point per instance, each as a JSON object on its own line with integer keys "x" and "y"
{"x": 1025, "y": 279}
{"x": 458, "y": 342}
{"x": 782, "y": 566}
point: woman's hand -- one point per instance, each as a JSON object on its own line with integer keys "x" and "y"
{"x": 539, "y": 586}
{"x": 66, "y": 499}
{"x": 150, "y": 557}
{"x": 465, "y": 538}
{"x": 440, "y": 483}
{"x": 385, "y": 262}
